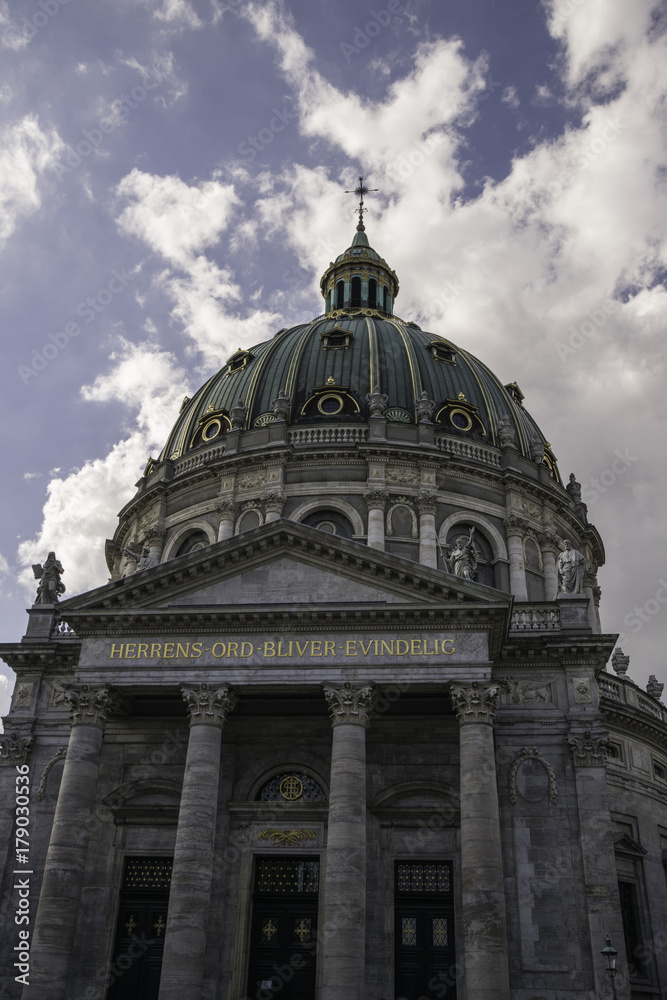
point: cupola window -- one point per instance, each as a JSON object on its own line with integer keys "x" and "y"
{"x": 356, "y": 293}
{"x": 372, "y": 293}
{"x": 238, "y": 362}
{"x": 340, "y": 294}
{"x": 442, "y": 351}
{"x": 336, "y": 339}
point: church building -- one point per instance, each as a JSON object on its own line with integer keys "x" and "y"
{"x": 339, "y": 726}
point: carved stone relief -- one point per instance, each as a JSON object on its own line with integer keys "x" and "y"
{"x": 531, "y": 753}
{"x": 524, "y": 692}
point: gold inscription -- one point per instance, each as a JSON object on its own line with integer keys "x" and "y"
{"x": 291, "y": 649}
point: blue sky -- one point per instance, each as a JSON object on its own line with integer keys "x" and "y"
{"x": 172, "y": 178}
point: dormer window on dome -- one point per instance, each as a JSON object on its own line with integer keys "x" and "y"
{"x": 330, "y": 400}
{"x": 238, "y": 361}
{"x": 210, "y": 426}
{"x": 460, "y": 415}
{"x": 336, "y": 339}
{"x": 442, "y": 351}
{"x": 515, "y": 393}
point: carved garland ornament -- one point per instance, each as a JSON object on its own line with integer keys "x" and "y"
{"x": 41, "y": 791}
{"x": 349, "y": 705}
{"x": 209, "y": 706}
{"x": 475, "y": 702}
{"x": 532, "y": 753}
{"x": 287, "y": 838}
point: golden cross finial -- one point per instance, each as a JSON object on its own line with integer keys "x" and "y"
{"x": 360, "y": 191}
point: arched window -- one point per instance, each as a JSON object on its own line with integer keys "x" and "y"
{"x": 372, "y": 293}
{"x": 250, "y": 519}
{"x": 330, "y": 521}
{"x": 291, "y": 786}
{"x": 356, "y": 292}
{"x": 340, "y": 294}
{"x": 197, "y": 540}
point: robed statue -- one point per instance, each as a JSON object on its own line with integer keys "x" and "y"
{"x": 571, "y": 569}
{"x": 50, "y": 585}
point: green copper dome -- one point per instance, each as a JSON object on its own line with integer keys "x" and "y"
{"x": 327, "y": 368}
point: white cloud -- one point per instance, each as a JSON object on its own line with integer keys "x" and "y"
{"x": 12, "y": 35}
{"x": 26, "y": 151}
{"x": 151, "y": 384}
{"x": 179, "y": 221}
{"x": 32, "y": 475}
{"x": 175, "y": 219}
{"x": 176, "y": 12}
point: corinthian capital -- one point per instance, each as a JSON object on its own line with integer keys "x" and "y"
{"x": 273, "y": 501}
{"x": 475, "y": 702}
{"x": 375, "y": 499}
{"x": 88, "y": 707}
{"x": 348, "y": 705}
{"x": 227, "y": 507}
{"x": 589, "y": 751}
{"x": 209, "y": 706}
{"x": 14, "y": 751}
{"x": 427, "y": 502}
{"x": 515, "y": 525}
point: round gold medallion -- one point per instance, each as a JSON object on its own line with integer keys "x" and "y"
{"x": 291, "y": 787}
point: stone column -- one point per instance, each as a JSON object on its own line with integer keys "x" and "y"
{"x": 274, "y": 501}
{"x": 227, "y": 511}
{"x": 375, "y": 501}
{"x": 154, "y": 538}
{"x": 64, "y": 869}
{"x": 187, "y": 916}
{"x": 514, "y": 528}
{"x": 483, "y": 890}
{"x": 343, "y": 937}
{"x": 597, "y": 855}
{"x": 428, "y": 550}
{"x": 549, "y": 544}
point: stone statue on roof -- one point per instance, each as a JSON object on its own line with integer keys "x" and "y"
{"x": 50, "y": 585}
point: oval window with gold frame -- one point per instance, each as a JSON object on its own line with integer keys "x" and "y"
{"x": 330, "y": 404}
{"x": 211, "y": 429}
{"x": 460, "y": 419}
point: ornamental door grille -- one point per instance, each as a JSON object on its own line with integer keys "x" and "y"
{"x": 424, "y": 931}
{"x": 142, "y": 918}
{"x": 283, "y": 929}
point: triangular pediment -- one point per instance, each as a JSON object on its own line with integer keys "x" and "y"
{"x": 288, "y": 564}
{"x": 626, "y": 845}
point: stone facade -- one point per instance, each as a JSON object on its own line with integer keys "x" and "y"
{"x": 304, "y": 751}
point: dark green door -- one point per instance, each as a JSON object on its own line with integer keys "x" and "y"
{"x": 284, "y": 929}
{"x": 136, "y": 964}
{"x": 425, "y": 966}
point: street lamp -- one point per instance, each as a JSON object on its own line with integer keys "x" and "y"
{"x": 610, "y": 954}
